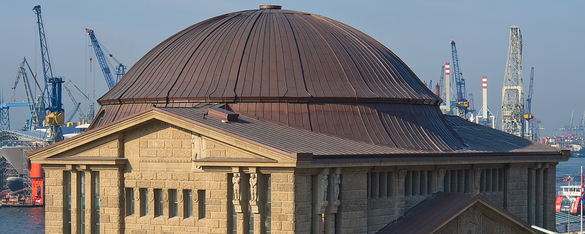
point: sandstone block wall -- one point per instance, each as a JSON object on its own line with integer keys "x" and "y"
{"x": 54, "y": 201}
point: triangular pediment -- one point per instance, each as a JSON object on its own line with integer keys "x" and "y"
{"x": 158, "y": 137}
{"x": 457, "y": 213}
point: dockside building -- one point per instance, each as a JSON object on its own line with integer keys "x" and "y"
{"x": 280, "y": 121}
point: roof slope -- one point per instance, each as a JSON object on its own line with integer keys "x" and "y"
{"x": 269, "y": 55}
{"x": 437, "y": 210}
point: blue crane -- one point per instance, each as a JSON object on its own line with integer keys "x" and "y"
{"x": 461, "y": 101}
{"x": 54, "y": 119}
{"x": 36, "y": 108}
{"x": 120, "y": 69}
{"x": 77, "y": 109}
{"x": 72, "y": 114}
{"x": 528, "y": 116}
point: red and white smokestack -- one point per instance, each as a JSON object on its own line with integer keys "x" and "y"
{"x": 447, "y": 72}
{"x": 447, "y": 87}
{"x": 484, "y": 92}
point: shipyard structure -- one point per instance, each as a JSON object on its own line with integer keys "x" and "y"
{"x": 280, "y": 121}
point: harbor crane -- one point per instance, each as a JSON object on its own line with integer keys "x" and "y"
{"x": 54, "y": 119}
{"x": 512, "y": 93}
{"x": 77, "y": 109}
{"x": 36, "y": 108}
{"x": 90, "y": 111}
{"x": 528, "y": 116}
{"x": 460, "y": 102}
{"x": 120, "y": 68}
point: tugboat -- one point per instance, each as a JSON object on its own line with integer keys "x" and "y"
{"x": 569, "y": 199}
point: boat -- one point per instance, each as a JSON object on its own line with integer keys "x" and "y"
{"x": 569, "y": 198}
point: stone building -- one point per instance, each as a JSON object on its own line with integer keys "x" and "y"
{"x": 279, "y": 121}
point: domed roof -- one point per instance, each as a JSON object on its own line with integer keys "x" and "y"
{"x": 293, "y": 68}
{"x": 269, "y": 55}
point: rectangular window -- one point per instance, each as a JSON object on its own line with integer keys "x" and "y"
{"x": 408, "y": 184}
{"x": 67, "y": 201}
{"x": 96, "y": 210}
{"x": 267, "y": 204}
{"x": 158, "y": 203}
{"x": 390, "y": 186}
{"x": 143, "y": 202}
{"x": 173, "y": 203}
{"x": 129, "y": 201}
{"x": 201, "y": 198}
{"x": 188, "y": 203}
{"x": 81, "y": 208}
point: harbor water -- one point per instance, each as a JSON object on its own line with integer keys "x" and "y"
{"x": 22, "y": 220}
{"x": 32, "y": 219}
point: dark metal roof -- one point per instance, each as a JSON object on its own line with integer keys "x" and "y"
{"x": 269, "y": 55}
{"x": 439, "y": 209}
{"x": 480, "y": 138}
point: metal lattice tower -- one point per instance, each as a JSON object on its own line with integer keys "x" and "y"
{"x": 512, "y": 94}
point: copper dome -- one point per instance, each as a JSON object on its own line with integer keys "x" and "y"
{"x": 269, "y": 55}
{"x": 290, "y": 67}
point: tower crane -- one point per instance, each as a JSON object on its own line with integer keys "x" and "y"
{"x": 77, "y": 105}
{"x": 528, "y": 112}
{"x": 120, "y": 69}
{"x": 54, "y": 119}
{"x": 37, "y": 109}
{"x": 461, "y": 101}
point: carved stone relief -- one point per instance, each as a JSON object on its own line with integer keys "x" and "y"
{"x": 196, "y": 149}
{"x": 322, "y": 187}
{"x": 237, "y": 196}
{"x": 254, "y": 192}
{"x": 236, "y": 184}
{"x": 470, "y": 221}
{"x": 334, "y": 197}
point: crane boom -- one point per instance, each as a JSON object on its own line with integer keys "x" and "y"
{"x": 54, "y": 118}
{"x": 73, "y": 112}
{"x": 528, "y": 114}
{"x": 461, "y": 101}
{"x": 37, "y": 110}
{"x": 81, "y": 115}
{"x": 121, "y": 69}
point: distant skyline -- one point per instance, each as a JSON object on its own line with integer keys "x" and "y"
{"x": 419, "y": 32}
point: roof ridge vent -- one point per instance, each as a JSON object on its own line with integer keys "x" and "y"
{"x": 264, "y": 7}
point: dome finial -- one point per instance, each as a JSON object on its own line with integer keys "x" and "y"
{"x": 264, "y": 7}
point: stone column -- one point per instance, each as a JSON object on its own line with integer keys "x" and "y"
{"x": 75, "y": 202}
{"x": 549, "y": 188}
{"x": 89, "y": 199}
{"x": 400, "y": 201}
{"x": 334, "y": 202}
{"x": 237, "y": 199}
{"x": 440, "y": 181}
{"x": 476, "y": 180}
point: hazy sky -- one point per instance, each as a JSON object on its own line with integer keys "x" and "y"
{"x": 418, "y": 31}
